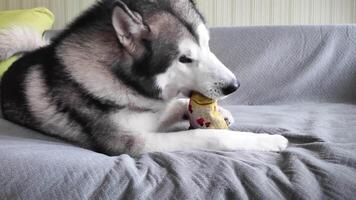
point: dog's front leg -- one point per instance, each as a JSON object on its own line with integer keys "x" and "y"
{"x": 210, "y": 139}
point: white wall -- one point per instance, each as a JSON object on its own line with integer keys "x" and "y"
{"x": 278, "y": 12}
{"x": 227, "y": 12}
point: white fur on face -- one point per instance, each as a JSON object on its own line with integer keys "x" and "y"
{"x": 204, "y": 36}
{"x": 207, "y": 74}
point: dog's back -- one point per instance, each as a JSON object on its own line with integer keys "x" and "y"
{"x": 14, "y": 103}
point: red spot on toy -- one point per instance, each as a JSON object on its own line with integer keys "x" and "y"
{"x": 190, "y": 108}
{"x": 207, "y": 124}
{"x": 201, "y": 122}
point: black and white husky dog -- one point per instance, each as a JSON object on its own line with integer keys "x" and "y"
{"x": 109, "y": 82}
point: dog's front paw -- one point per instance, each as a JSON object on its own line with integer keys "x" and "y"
{"x": 227, "y": 116}
{"x": 233, "y": 140}
{"x": 268, "y": 142}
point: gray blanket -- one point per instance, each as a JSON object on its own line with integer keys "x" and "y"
{"x": 296, "y": 81}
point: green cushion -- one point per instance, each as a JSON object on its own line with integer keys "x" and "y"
{"x": 5, "y": 64}
{"x": 40, "y": 19}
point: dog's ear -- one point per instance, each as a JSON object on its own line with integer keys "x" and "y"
{"x": 128, "y": 26}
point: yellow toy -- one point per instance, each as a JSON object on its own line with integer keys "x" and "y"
{"x": 204, "y": 113}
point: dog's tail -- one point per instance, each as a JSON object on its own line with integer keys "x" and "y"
{"x": 16, "y": 39}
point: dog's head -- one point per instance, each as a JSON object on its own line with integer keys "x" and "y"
{"x": 168, "y": 43}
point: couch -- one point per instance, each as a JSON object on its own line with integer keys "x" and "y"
{"x": 297, "y": 81}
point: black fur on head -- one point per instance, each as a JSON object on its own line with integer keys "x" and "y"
{"x": 157, "y": 49}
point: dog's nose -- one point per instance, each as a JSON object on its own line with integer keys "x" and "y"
{"x": 231, "y": 88}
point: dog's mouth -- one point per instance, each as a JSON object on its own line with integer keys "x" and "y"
{"x": 187, "y": 93}
{"x": 211, "y": 95}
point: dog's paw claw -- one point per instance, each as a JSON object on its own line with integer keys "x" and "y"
{"x": 227, "y": 116}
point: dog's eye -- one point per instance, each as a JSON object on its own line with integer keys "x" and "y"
{"x": 185, "y": 59}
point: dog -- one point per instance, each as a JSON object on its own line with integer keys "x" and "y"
{"x": 110, "y": 81}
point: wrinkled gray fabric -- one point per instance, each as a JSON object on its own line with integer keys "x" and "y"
{"x": 296, "y": 81}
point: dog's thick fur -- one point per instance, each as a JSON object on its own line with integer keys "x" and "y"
{"x": 109, "y": 81}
